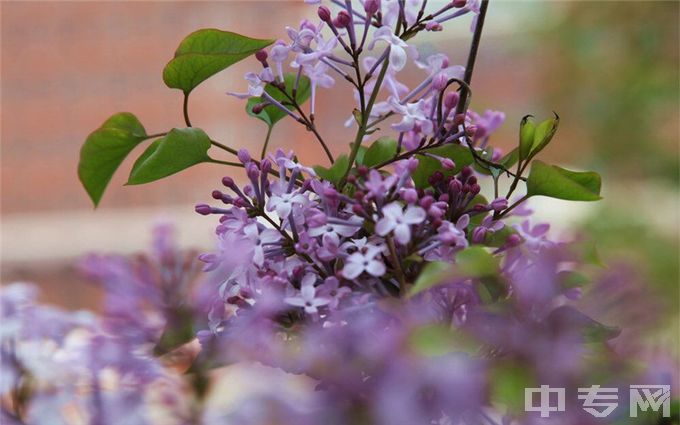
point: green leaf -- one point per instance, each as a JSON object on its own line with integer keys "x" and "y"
{"x": 104, "y": 151}
{"x": 380, "y": 151}
{"x": 427, "y": 166}
{"x": 508, "y": 381}
{"x": 471, "y": 262}
{"x": 556, "y": 182}
{"x": 335, "y": 172}
{"x": 178, "y": 150}
{"x": 527, "y": 128}
{"x": 270, "y": 115}
{"x": 431, "y": 275}
{"x": 359, "y": 160}
{"x": 206, "y": 52}
{"x": 567, "y": 318}
{"x": 543, "y": 134}
{"x": 499, "y": 238}
{"x": 476, "y": 262}
{"x": 510, "y": 158}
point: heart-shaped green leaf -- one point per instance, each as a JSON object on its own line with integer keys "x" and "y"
{"x": 427, "y": 165}
{"x": 432, "y": 274}
{"x": 178, "y": 150}
{"x": 556, "y": 182}
{"x": 335, "y": 172}
{"x": 206, "y": 52}
{"x": 104, "y": 151}
{"x": 380, "y": 151}
{"x": 271, "y": 114}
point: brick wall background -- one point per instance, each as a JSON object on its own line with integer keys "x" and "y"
{"x": 67, "y": 66}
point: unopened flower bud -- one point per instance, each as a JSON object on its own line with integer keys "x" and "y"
{"x": 343, "y": 20}
{"x": 257, "y": 108}
{"x": 459, "y": 3}
{"x": 228, "y": 182}
{"x": 479, "y": 234}
{"x": 434, "y": 26}
{"x": 513, "y": 240}
{"x": 324, "y": 13}
{"x": 372, "y": 6}
{"x": 471, "y": 129}
{"x": 471, "y": 180}
{"x": 426, "y": 202}
{"x": 203, "y": 209}
{"x": 265, "y": 165}
{"x": 243, "y": 156}
{"x": 261, "y": 56}
{"x": 448, "y": 163}
{"x": 409, "y": 196}
{"x": 252, "y": 171}
{"x": 451, "y": 99}
{"x": 435, "y": 178}
{"x": 499, "y": 204}
{"x": 439, "y": 81}
{"x": 330, "y": 192}
{"x": 480, "y": 208}
{"x": 475, "y": 189}
{"x": 358, "y": 209}
{"x": 458, "y": 119}
{"x": 455, "y": 187}
{"x": 317, "y": 220}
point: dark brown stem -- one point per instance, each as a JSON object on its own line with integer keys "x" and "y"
{"x": 472, "y": 56}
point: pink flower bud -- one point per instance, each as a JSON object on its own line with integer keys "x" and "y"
{"x": 447, "y": 163}
{"x": 228, "y": 182}
{"x": 410, "y": 196}
{"x": 451, "y": 99}
{"x": 439, "y": 81}
{"x": 265, "y": 165}
{"x": 324, "y": 13}
{"x": 459, "y": 3}
{"x": 317, "y": 220}
{"x": 261, "y": 56}
{"x": 426, "y": 202}
{"x": 203, "y": 209}
{"x": 372, "y": 6}
{"x": 479, "y": 234}
{"x": 459, "y": 119}
{"x": 513, "y": 240}
{"x": 434, "y": 26}
{"x": 499, "y": 204}
{"x": 259, "y": 107}
{"x": 243, "y": 156}
{"x": 343, "y": 20}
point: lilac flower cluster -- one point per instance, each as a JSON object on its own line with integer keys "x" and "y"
{"x": 396, "y": 286}
{"x": 319, "y": 248}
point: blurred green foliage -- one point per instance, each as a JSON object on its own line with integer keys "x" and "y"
{"x": 614, "y": 65}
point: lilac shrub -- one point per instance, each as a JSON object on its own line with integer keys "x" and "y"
{"x": 405, "y": 282}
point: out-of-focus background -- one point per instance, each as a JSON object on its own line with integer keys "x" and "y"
{"x": 610, "y": 69}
